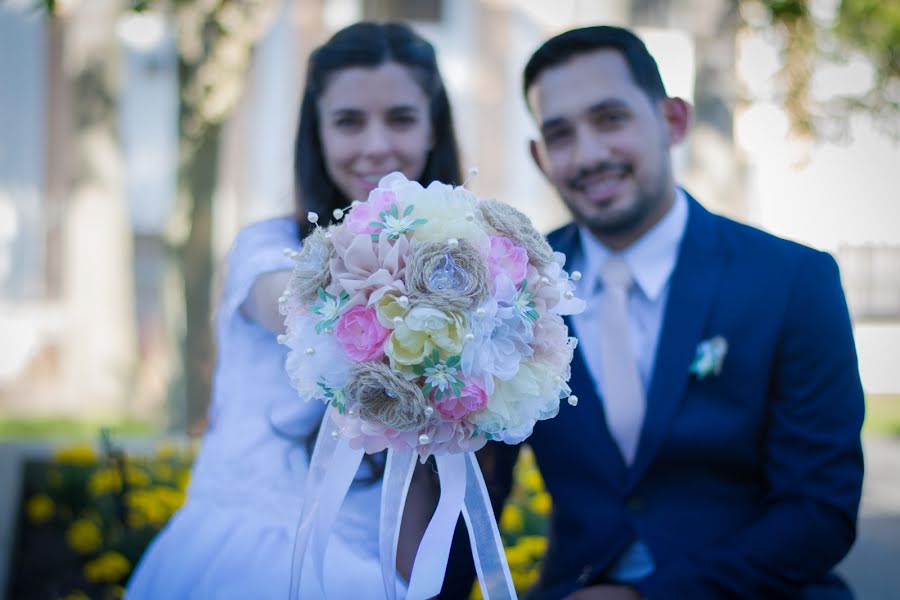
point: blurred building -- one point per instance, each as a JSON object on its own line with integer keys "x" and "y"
{"x": 89, "y": 306}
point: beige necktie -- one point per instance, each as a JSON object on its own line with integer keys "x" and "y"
{"x": 623, "y": 393}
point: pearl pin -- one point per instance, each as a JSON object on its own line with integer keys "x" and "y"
{"x": 576, "y": 275}
{"x": 312, "y": 217}
{"x": 573, "y": 400}
{"x": 568, "y": 295}
{"x": 310, "y": 350}
{"x": 424, "y": 439}
{"x": 338, "y": 214}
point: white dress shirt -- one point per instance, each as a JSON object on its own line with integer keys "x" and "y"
{"x": 651, "y": 260}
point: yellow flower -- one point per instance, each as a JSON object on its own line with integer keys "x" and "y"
{"x": 517, "y": 557}
{"x": 40, "y": 508}
{"x": 79, "y": 454}
{"x": 541, "y": 504}
{"x": 136, "y": 477}
{"x": 534, "y": 545}
{"x": 166, "y": 451}
{"x": 84, "y": 536}
{"x": 105, "y": 481}
{"x": 531, "y": 480}
{"x": 522, "y": 580}
{"x": 76, "y": 595}
{"x": 183, "y": 479}
{"x": 423, "y": 330}
{"x": 164, "y": 472}
{"x": 109, "y": 567}
{"x": 511, "y": 520}
{"x": 475, "y": 594}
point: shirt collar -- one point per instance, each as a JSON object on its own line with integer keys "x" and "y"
{"x": 651, "y": 258}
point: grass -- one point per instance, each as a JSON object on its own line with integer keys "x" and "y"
{"x": 882, "y": 414}
{"x": 68, "y": 428}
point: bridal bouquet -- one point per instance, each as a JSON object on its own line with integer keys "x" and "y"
{"x": 430, "y": 321}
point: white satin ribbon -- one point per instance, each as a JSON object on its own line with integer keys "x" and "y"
{"x": 434, "y": 550}
{"x": 333, "y": 466}
{"x": 398, "y": 472}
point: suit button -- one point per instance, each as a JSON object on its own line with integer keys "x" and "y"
{"x": 634, "y": 504}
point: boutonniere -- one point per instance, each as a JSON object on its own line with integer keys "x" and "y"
{"x": 709, "y": 358}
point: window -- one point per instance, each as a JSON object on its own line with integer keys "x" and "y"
{"x": 871, "y": 277}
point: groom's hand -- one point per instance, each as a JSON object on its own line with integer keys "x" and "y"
{"x": 605, "y": 592}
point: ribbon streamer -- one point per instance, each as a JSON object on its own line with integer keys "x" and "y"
{"x": 333, "y": 466}
{"x": 326, "y": 486}
{"x": 398, "y": 472}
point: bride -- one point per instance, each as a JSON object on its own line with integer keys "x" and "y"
{"x": 374, "y": 103}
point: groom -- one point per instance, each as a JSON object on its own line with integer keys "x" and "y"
{"x": 714, "y": 451}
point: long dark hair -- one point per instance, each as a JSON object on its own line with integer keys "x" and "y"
{"x": 367, "y": 44}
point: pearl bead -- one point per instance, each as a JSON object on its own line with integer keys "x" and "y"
{"x": 568, "y": 295}
{"x": 403, "y": 301}
{"x": 424, "y": 439}
{"x": 328, "y": 330}
{"x": 544, "y": 281}
{"x": 351, "y": 412}
{"x": 288, "y": 252}
{"x": 312, "y": 217}
{"x": 573, "y": 400}
{"x": 281, "y": 338}
{"x": 335, "y": 434}
{"x": 398, "y": 321}
{"x": 338, "y": 214}
{"x": 469, "y": 337}
{"x": 354, "y": 203}
{"x": 576, "y": 275}
{"x": 480, "y": 312}
{"x": 470, "y": 216}
{"x": 310, "y": 350}
{"x": 473, "y": 171}
{"x": 429, "y": 411}
{"x": 453, "y": 242}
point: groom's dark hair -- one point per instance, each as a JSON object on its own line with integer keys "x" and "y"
{"x": 563, "y": 47}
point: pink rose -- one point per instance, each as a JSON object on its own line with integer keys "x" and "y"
{"x": 507, "y": 258}
{"x": 472, "y": 398}
{"x": 360, "y": 334}
{"x": 360, "y": 217}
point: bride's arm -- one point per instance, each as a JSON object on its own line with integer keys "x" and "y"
{"x": 261, "y": 304}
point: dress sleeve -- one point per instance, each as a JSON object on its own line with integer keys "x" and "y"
{"x": 257, "y": 249}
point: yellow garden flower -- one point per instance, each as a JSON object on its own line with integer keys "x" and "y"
{"x": 531, "y": 480}
{"x": 541, "y": 504}
{"x": 84, "y": 536}
{"x": 76, "y": 595}
{"x": 511, "y": 520}
{"x": 522, "y": 580}
{"x": 105, "y": 481}
{"x": 40, "y": 508}
{"x": 79, "y": 454}
{"x": 109, "y": 567}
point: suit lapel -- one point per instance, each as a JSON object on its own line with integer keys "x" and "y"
{"x": 693, "y": 289}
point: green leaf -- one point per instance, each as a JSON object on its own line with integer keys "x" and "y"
{"x": 321, "y": 294}
{"x": 453, "y": 361}
{"x": 408, "y": 210}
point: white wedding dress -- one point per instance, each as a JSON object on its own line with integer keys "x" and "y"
{"x": 234, "y": 536}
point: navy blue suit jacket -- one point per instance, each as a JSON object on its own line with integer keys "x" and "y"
{"x": 745, "y": 484}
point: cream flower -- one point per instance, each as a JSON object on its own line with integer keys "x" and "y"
{"x": 515, "y": 405}
{"x": 422, "y": 330}
{"x": 449, "y": 213}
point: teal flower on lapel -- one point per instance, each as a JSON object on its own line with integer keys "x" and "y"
{"x": 709, "y": 358}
